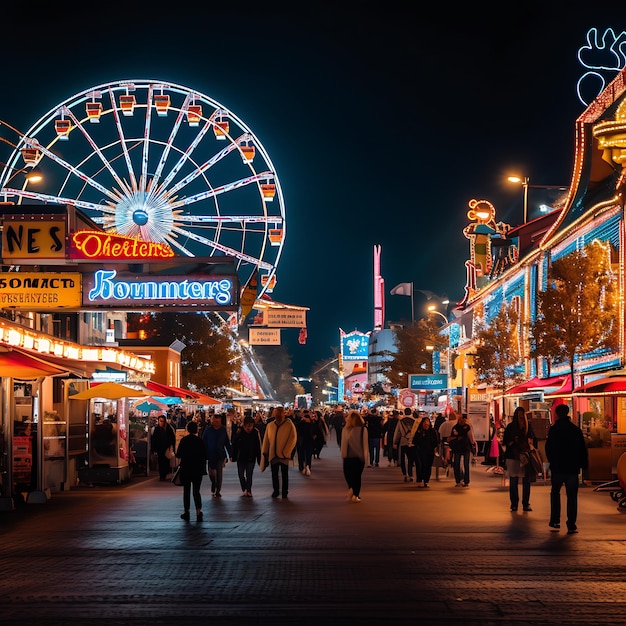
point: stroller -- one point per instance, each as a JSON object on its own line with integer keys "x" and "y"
{"x": 617, "y": 488}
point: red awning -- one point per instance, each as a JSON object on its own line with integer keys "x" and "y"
{"x": 610, "y": 384}
{"x": 564, "y": 389}
{"x": 536, "y": 383}
{"x": 16, "y": 364}
{"x": 168, "y": 390}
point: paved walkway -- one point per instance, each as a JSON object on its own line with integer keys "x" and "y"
{"x": 121, "y": 555}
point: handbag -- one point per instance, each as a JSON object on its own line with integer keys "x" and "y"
{"x": 176, "y": 478}
{"x": 169, "y": 453}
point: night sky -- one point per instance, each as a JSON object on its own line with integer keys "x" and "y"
{"x": 382, "y": 123}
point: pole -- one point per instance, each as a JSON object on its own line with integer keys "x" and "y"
{"x": 412, "y": 304}
{"x": 525, "y": 184}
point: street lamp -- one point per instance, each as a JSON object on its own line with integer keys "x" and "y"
{"x": 433, "y": 309}
{"x": 525, "y": 182}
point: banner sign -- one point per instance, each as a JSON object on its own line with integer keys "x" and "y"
{"x": 92, "y": 245}
{"x": 284, "y": 318}
{"x": 32, "y": 238}
{"x": 264, "y": 336}
{"x": 39, "y": 291}
{"x": 354, "y": 345}
{"x": 428, "y": 381}
{"x": 107, "y": 289}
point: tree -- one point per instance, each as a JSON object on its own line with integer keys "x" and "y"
{"x": 578, "y": 312}
{"x": 498, "y": 357}
{"x": 412, "y": 354}
{"x": 210, "y": 361}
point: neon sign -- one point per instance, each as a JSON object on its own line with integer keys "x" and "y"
{"x": 104, "y": 288}
{"x": 99, "y": 246}
{"x": 603, "y": 56}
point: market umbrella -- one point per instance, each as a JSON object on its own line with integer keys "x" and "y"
{"x": 204, "y": 400}
{"x": 150, "y": 405}
{"x": 170, "y": 400}
{"x": 110, "y": 391}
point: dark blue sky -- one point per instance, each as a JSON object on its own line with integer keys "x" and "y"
{"x": 382, "y": 123}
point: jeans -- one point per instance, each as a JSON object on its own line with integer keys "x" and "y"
{"x": 216, "y": 474}
{"x": 188, "y": 488}
{"x": 305, "y": 453}
{"x": 374, "y": 446}
{"x": 245, "y": 469}
{"x": 462, "y": 476}
{"x": 284, "y": 471}
{"x": 571, "y": 492}
{"x": 514, "y": 491}
{"x": 353, "y": 473}
{"x": 407, "y": 460}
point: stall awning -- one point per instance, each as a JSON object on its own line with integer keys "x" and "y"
{"x": 16, "y": 364}
{"x": 564, "y": 390}
{"x": 536, "y": 383}
{"x": 168, "y": 390}
{"x": 610, "y": 384}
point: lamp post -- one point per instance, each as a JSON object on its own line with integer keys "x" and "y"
{"x": 433, "y": 309}
{"x": 525, "y": 182}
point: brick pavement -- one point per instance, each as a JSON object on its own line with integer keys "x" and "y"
{"x": 121, "y": 555}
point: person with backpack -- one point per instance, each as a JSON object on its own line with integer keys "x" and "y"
{"x": 403, "y": 442}
{"x": 463, "y": 444}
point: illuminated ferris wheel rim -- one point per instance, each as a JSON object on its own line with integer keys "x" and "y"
{"x": 170, "y": 213}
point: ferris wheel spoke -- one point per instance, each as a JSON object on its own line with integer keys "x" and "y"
{"x": 123, "y": 186}
{"x": 121, "y": 135}
{"x": 170, "y": 142}
{"x": 240, "y": 219}
{"x": 49, "y": 199}
{"x": 186, "y": 156}
{"x": 216, "y": 191}
{"x": 235, "y": 145}
{"x": 222, "y": 248}
{"x": 146, "y": 142}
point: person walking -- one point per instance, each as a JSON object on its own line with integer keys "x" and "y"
{"x": 304, "y": 432}
{"x": 517, "y": 441}
{"x": 389, "y": 428}
{"x": 402, "y": 442}
{"x": 426, "y": 440}
{"x": 192, "y": 455}
{"x": 246, "y": 453}
{"x": 278, "y": 444}
{"x": 444, "y": 434}
{"x": 218, "y": 450}
{"x": 163, "y": 439}
{"x": 355, "y": 453}
{"x": 320, "y": 433}
{"x": 374, "y": 424}
{"x": 462, "y": 444}
{"x": 567, "y": 454}
{"x": 337, "y": 422}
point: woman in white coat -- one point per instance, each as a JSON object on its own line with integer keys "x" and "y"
{"x": 355, "y": 453}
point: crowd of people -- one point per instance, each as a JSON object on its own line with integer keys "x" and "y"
{"x": 409, "y": 440}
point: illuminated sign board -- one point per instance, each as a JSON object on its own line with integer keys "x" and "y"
{"x": 428, "y": 381}
{"x": 284, "y": 318}
{"x": 264, "y": 337}
{"x": 354, "y": 346}
{"x": 107, "y": 289}
{"x": 39, "y": 291}
{"x": 32, "y": 238}
{"x": 93, "y": 245}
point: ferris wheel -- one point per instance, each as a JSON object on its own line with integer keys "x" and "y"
{"x": 160, "y": 162}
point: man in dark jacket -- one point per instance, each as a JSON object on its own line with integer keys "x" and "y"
{"x": 218, "y": 450}
{"x": 567, "y": 454}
